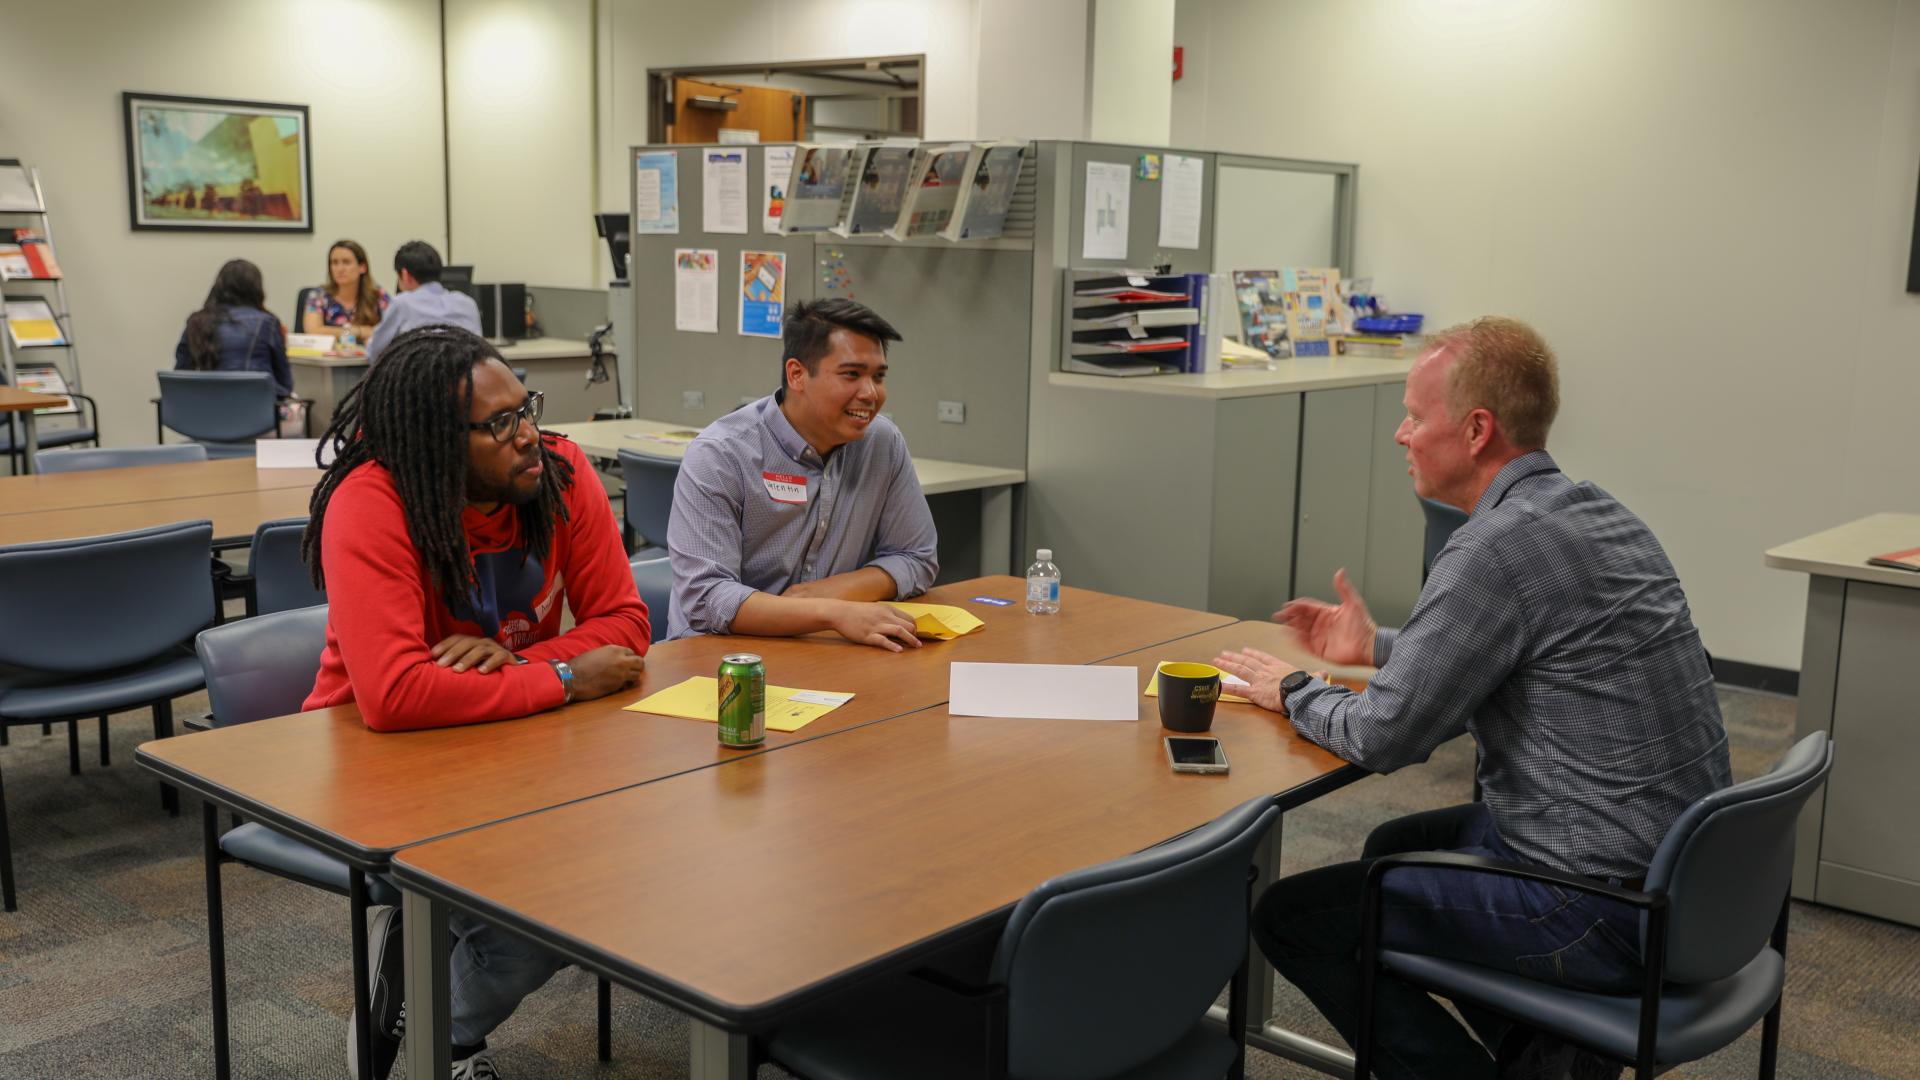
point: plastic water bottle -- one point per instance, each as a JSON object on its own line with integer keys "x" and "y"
{"x": 1043, "y": 584}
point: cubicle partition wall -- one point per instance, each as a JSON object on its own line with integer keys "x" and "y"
{"x": 1225, "y": 492}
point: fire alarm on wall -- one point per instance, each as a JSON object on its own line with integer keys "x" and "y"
{"x": 1179, "y": 56}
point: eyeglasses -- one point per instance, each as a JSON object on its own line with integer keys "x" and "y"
{"x": 506, "y": 423}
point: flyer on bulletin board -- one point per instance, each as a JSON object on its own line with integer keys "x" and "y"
{"x": 763, "y": 288}
{"x": 656, "y": 193}
{"x": 696, "y": 290}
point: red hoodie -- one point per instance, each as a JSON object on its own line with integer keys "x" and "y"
{"x": 385, "y": 615}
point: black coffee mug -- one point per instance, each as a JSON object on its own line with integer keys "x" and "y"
{"x": 1187, "y": 696}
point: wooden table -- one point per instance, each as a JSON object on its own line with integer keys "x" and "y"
{"x": 845, "y": 857}
{"x": 24, "y": 402}
{"x": 145, "y": 483}
{"x": 605, "y": 439}
{"x": 361, "y": 795}
{"x": 234, "y": 515}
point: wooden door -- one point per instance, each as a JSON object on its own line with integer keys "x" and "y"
{"x": 776, "y": 113}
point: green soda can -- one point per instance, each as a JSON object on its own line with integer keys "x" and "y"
{"x": 743, "y": 700}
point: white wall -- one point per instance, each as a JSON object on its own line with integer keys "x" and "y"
{"x": 369, "y": 72}
{"x": 1132, "y": 62}
{"x": 1032, "y": 65}
{"x": 1705, "y": 207}
{"x": 642, "y": 34}
{"x": 520, "y": 120}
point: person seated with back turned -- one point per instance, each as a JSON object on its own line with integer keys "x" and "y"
{"x": 351, "y": 301}
{"x": 1553, "y": 629}
{"x": 234, "y": 331}
{"x": 447, "y": 533}
{"x": 423, "y": 301}
{"x": 800, "y": 511}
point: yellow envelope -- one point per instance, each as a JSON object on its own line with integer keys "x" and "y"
{"x": 699, "y": 699}
{"x": 941, "y": 622}
{"x": 1153, "y": 686}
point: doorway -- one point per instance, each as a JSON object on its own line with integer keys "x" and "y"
{"x": 809, "y": 101}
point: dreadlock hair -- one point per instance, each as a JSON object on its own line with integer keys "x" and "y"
{"x": 409, "y": 415}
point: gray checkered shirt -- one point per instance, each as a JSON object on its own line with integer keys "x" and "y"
{"x": 1552, "y": 627}
{"x": 730, "y": 537}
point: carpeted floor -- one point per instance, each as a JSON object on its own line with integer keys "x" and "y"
{"x": 103, "y": 969}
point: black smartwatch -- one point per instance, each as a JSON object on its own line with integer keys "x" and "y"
{"x": 1294, "y": 681}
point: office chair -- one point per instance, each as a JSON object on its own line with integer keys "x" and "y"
{"x": 649, "y": 498}
{"x": 222, "y": 410}
{"x": 298, "y": 322}
{"x": 654, "y": 579}
{"x": 1715, "y": 891}
{"x": 1104, "y": 971}
{"x": 279, "y": 576}
{"x": 258, "y": 668}
{"x": 116, "y": 457}
{"x": 13, "y": 437}
{"x": 81, "y": 648}
{"x": 1441, "y": 521}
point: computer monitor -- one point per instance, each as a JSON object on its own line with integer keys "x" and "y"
{"x": 615, "y": 228}
{"x": 458, "y": 278}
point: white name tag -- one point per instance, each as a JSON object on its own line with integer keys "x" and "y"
{"x": 785, "y": 487}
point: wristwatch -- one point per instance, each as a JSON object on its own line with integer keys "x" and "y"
{"x": 561, "y": 668}
{"x": 1294, "y": 681}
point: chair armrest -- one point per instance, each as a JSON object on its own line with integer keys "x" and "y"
{"x": 958, "y": 987}
{"x": 1454, "y": 860}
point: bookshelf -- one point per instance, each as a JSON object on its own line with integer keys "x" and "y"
{"x": 37, "y": 350}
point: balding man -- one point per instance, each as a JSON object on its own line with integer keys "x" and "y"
{"x": 1552, "y": 629}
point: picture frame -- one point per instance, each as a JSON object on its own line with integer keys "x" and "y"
{"x": 251, "y": 160}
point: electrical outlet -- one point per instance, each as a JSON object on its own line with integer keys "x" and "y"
{"x": 693, "y": 399}
{"x": 953, "y": 412}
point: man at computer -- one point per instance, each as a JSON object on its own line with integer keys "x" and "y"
{"x": 422, "y": 300}
{"x": 1553, "y": 629}
{"x": 802, "y": 511}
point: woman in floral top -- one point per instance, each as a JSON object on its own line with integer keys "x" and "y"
{"x": 352, "y": 300}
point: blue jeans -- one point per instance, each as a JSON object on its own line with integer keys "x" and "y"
{"x": 1309, "y": 927}
{"x": 492, "y": 970}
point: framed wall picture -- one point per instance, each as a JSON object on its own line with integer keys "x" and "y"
{"x": 206, "y": 163}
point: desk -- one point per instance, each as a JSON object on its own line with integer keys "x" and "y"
{"x": 1858, "y": 683}
{"x": 606, "y": 438}
{"x": 234, "y": 515}
{"x": 24, "y": 402}
{"x": 556, "y": 366}
{"x": 882, "y": 846}
{"x": 146, "y": 483}
{"x": 361, "y": 796}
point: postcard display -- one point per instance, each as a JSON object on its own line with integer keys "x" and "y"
{"x": 35, "y": 327}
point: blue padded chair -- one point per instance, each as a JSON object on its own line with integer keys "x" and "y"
{"x": 90, "y": 651}
{"x": 222, "y": 410}
{"x": 117, "y": 457}
{"x": 1716, "y": 889}
{"x": 280, "y": 578}
{"x": 654, "y": 579}
{"x": 1107, "y": 971}
{"x": 1441, "y": 521}
{"x": 259, "y": 668}
{"x": 519, "y": 373}
{"x": 649, "y": 483}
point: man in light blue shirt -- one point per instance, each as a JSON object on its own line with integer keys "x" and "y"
{"x": 802, "y": 511}
{"x": 422, "y": 300}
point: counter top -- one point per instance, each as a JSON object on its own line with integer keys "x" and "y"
{"x": 1843, "y": 552}
{"x": 606, "y": 438}
{"x": 1290, "y": 377}
{"x": 531, "y": 349}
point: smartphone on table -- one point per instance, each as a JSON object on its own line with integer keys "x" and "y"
{"x": 1196, "y": 754}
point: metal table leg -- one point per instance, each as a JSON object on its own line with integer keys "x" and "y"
{"x": 717, "y": 1054}
{"x": 429, "y": 1005}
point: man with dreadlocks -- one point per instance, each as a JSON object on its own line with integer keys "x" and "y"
{"x": 447, "y": 533}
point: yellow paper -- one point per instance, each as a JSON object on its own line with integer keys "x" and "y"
{"x": 35, "y": 331}
{"x": 1153, "y": 686}
{"x": 699, "y": 699}
{"x": 941, "y": 622}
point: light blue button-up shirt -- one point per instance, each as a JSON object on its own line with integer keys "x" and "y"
{"x": 743, "y": 523}
{"x": 430, "y": 303}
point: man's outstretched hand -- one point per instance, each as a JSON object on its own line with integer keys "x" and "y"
{"x": 1342, "y": 633}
